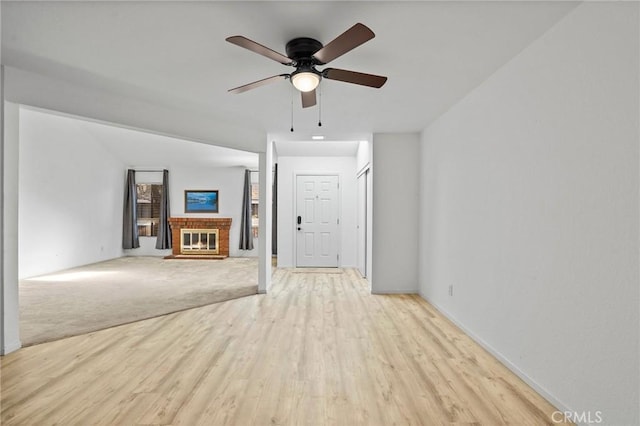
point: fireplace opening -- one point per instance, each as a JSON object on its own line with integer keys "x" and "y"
{"x": 199, "y": 241}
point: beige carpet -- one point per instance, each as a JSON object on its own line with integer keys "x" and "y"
{"x": 124, "y": 290}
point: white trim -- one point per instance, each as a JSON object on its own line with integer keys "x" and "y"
{"x": 11, "y": 347}
{"x": 561, "y": 406}
{"x": 363, "y": 170}
{"x": 397, "y": 291}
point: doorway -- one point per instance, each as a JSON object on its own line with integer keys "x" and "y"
{"x": 317, "y": 221}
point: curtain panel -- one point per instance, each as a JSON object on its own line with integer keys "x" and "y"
{"x": 129, "y": 217}
{"x": 246, "y": 236}
{"x": 163, "y": 241}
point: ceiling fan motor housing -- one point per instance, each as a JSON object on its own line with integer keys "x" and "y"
{"x": 301, "y": 49}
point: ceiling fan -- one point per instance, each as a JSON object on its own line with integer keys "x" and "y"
{"x": 305, "y": 54}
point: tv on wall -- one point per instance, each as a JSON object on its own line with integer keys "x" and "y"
{"x": 200, "y": 201}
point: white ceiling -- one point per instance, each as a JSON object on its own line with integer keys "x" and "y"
{"x": 174, "y": 53}
{"x": 317, "y": 148}
{"x": 143, "y": 150}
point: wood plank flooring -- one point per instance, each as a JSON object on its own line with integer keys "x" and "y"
{"x": 317, "y": 350}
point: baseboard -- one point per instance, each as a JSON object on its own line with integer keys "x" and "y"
{"x": 561, "y": 406}
{"x": 11, "y": 347}
{"x": 395, "y": 291}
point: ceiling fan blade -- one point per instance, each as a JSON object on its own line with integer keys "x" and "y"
{"x": 360, "y": 78}
{"x": 241, "y": 89}
{"x": 259, "y": 49}
{"x": 345, "y": 42}
{"x": 308, "y": 98}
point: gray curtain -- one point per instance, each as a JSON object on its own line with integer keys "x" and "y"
{"x": 274, "y": 214}
{"x": 246, "y": 237}
{"x": 129, "y": 216}
{"x": 164, "y": 230}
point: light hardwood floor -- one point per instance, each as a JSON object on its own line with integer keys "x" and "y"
{"x": 317, "y": 350}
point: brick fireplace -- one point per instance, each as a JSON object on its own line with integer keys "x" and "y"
{"x": 198, "y": 225}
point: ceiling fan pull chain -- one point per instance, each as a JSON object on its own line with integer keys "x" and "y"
{"x": 319, "y": 106}
{"x": 292, "y": 94}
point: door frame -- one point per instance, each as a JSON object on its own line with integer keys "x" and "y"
{"x": 364, "y": 173}
{"x": 295, "y": 208}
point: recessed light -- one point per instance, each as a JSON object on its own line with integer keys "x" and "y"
{"x": 317, "y": 137}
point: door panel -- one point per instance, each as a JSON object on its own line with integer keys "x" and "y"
{"x": 325, "y": 244}
{"x": 308, "y": 214}
{"x": 309, "y": 244}
{"x": 317, "y": 240}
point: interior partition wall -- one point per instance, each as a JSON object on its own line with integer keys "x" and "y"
{"x": 10, "y": 312}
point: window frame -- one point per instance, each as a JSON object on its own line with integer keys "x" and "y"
{"x": 148, "y": 226}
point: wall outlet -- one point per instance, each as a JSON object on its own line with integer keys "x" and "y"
{"x": 451, "y": 290}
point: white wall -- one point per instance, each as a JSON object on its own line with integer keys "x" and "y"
{"x": 9, "y": 166}
{"x": 266, "y": 165}
{"x": 530, "y": 210}
{"x": 71, "y": 195}
{"x": 147, "y": 248}
{"x": 363, "y": 155}
{"x": 229, "y": 181}
{"x": 345, "y": 168}
{"x": 395, "y": 173}
{"x": 2, "y": 179}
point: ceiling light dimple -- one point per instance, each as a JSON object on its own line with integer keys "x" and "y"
{"x": 317, "y": 137}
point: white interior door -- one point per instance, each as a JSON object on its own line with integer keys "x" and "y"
{"x": 317, "y": 221}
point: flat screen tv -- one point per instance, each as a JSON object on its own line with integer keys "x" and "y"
{"x": 200, "y": 201}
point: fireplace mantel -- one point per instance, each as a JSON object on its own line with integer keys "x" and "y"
{"x": 222, "y": 224}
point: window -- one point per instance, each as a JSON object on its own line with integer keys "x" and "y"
{"x": 255, "y": 188}
{"x": 148, "y": 208}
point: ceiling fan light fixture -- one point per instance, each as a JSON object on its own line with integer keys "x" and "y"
{"x": 305, "y": 81}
